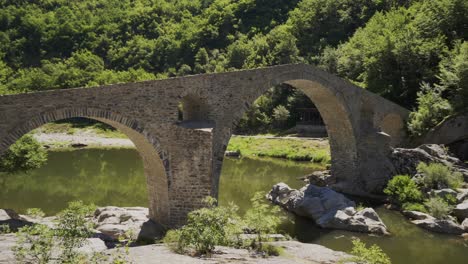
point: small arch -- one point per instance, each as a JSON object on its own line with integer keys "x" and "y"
{"x": 155, "y": 160}
{"x": 193, "y": 108}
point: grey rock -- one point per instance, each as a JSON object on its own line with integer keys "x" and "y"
{"x": 464, "y": 224}
{"x": 462, "y": 195}
{"x": 320, "y": 178}
{"x": 415, "y": 215}
{"x": 444, "y": 193}
{"x": 440, "y": 226}
{"x": 234, "y": 154}
{"x": 461, "y": 210}
{"x": 328, "y": 208}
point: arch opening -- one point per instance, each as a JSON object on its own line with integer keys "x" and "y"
{"x": 155, "y": 163}
{"x": 338, "y": 124}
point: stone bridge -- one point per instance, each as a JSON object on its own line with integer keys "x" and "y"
{"x": 183, "y": 158}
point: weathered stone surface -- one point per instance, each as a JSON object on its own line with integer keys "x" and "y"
{"x": 464, "y": 225}
{"x": 328, "y": 208}
{"x": 415, "y": 215}
{"x": 431, "y": 223}
{"x": 121, "y": 221}
{"x": 443, "y": 193}
{"x": 461, "y": 210}
{"x": 462, "y": 195}
{"x": 234, "y": 154}
{"x": 183, "y": 159}
{"x": 320, "y": 178}
{"x": 12, "y": 219}
{"x": 405, "y": 161}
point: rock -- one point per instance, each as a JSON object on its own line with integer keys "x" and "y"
{"x": 461, "y": 210}
{"x": 119, "y": 221}
{"x": 444, "y": 193}
{"x": 405, "y": 161}
{"x": 440, "y": 226}
{"x": 462, "y": 195}
{"x": 12, "y": 219}
{"x": 328, "y": 208}
{"x": 464, "y": 225}
{"x": 415, "y": 215}
{"x": 320, "y": 178}
{"x": 234, "y": 154}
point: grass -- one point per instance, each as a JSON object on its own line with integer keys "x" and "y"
{"x": 85, "y": 126}
{"x": 292, "y": 149}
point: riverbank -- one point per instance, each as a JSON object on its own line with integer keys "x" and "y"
{"x": 316, "y": 150}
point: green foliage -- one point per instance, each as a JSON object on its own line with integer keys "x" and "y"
{"x": 4, "y": 229}
{"x": 292, "y": 149}
{"x": 439, "y": 176}
{"x": 34, "y": 244}
{"x": 403, "y": 189}
{"x": 414, "y": 207}
{"x": 25, "y": 154}
{"x": 206, "y": 228}
{"x": 35, "y": 212}
{"x": 368, "y": 255}
{"x": 262, "y": 218}
{"x": 438, "y": 208}
{"x": 432, "y": 109}
{"x": 73, "y": 228}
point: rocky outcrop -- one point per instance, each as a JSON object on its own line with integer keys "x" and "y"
{"x": 461, "y": 210}
{"x": 123, "y": 221}
{"x": 464, "y": 225}
{"x": 320, "y": 178}
{"x": 328, "y": 208}
{"x": 431, "y": 223}
{"x": 405, "y": 161}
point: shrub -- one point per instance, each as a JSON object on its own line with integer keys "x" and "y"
{"x": 4, "y": 229}
{"x": 262, "y": 218}
{"x": 403, "y": 190}
{"x": 371, "y": 255}
{"x": 206, "y": 228}
{"x": 34, "y": 244}
{"x": 439, "y": 176}
{"x": 25, "y": 154}
{"x": 414, "y": 207}
{"x": 437, "y": 207}
{"x": 35, "y": 212}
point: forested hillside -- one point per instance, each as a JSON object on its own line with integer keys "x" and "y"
{"x": 411, "y": 52}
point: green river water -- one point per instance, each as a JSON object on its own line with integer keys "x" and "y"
{"x": 115, "y": 177}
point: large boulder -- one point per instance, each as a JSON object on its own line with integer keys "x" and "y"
{"x": 461, "y": 210}
{"x": 431, "y": 223}
{"x": 464, "y": 225}
{"x": 116, "y": 222}
{"x": 462, "y": 195}
{"x": 328, "y": 208}
{"x": 405, "y": 160}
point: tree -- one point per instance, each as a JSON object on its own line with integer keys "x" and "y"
{"x": 25, "y": 154}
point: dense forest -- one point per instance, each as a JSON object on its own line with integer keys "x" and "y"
{"x": 413, "y": 52}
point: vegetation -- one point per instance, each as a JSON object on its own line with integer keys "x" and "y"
{"x": 403, "y": 190}
{"x": 438, "y": 208}
{"x": 42, "y": 244}
{"x": 58, "y": 44}
{"x": 221, "y": 226}
{"x": 414, "y": 207}
{"x": 299, "y": 150}
{"x": 368, "y": 255}
{"x": 439, "y": 176}
{"x": 25, "y": 154}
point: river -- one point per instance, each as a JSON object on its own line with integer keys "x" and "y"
{"x": 115, "y": 177}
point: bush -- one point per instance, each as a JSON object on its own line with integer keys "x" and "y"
{"x": 438, "y": 208}
{"x": 439, "y": 176}
{"x": 414, "y": 207}
{"x": 206, "y": 228}
{"x": 371, "y": 255}
{"x": 403, "y": 190}
{"x": 262, "y": 218}
{"x": 4, "y": 229}
{"x": 35, "y": 212}
{"x": 25, "y": 154}
{"x": 34, "y": 244}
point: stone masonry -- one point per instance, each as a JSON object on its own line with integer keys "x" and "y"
{"x": 183, "y": 158}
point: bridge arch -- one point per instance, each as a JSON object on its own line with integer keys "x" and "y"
{"x": 335, "y": 110}
{"x": 155, "y": 159}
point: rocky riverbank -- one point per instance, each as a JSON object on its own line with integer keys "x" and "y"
{"x": 80, "y": 140}
{"x": 112, "y": 222}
